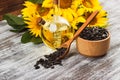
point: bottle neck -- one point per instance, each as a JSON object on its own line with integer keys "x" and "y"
{"x": 55, "y": 2}
{"x": 56, "y": 7}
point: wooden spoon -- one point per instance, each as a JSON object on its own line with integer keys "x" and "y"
{"x": 67, "y": 44}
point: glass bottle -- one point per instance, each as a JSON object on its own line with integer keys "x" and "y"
{"x": 55, "y": 31}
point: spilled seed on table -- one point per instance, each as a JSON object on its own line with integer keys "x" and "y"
{"x": 51, "y": 60}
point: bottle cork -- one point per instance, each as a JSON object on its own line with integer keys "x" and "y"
{"x": 41, "y": 21}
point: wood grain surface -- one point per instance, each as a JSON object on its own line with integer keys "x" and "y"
{"x": 17, "y": 59}
{"x": 10, "y": 6}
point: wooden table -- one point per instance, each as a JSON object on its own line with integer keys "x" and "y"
{"x": 17, "y": 59}
{"x": 10, "y": 6}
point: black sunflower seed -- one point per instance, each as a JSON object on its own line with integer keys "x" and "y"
{"x": 94, "y": 33}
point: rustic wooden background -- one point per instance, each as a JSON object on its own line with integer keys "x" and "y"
{"x": 17, "y": 59}
{"x": 10, "y": 6}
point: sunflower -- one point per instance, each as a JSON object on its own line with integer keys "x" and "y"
{"x": 31, "y": 13}
{"x": 33, "y": 26}
{"x": 100, "y": 20}
{"x": 67, "y": 8}
{"x": 91, "y": 5}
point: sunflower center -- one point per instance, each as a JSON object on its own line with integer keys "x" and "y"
{"x": 94, "y": 21}
{"x": 43, "y": 11}
{"x": 87, "y": 14}
{"x": 65, "y": 3}
{"x": 87, "y": 3}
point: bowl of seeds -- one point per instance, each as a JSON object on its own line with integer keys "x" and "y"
{"x": 93, "y": 41}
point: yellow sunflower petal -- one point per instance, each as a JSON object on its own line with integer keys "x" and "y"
{"x": 47, "y": 3}
{"x": 80, "y": 11}
{"x": 29, "y": 9}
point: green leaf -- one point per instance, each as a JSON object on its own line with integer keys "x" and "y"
{"x": 37, "y": 1}
{"x": 36, "y": 40}
{"x": 18, "y": 30}
{"x": 26, "y": 37}
{"x": 14, "y": 21}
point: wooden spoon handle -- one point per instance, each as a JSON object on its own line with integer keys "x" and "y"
{"x": 89, "y": 19}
